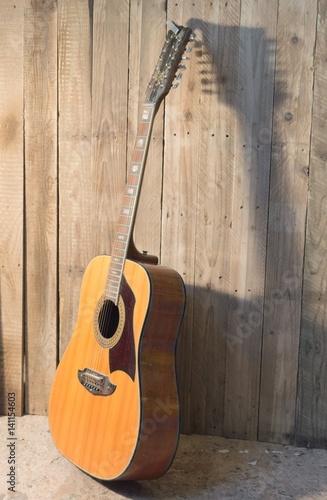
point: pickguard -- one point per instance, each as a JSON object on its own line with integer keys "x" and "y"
{"x": 122, "y": 355}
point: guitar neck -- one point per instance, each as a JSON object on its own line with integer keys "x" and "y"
{"x": 130, "y": 201}
{"x": 159, "y": 85}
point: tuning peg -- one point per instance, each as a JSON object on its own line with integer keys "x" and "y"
{"x": 179, "y": 76}
{"x": 192, "y": 37}
{"x": 172, "y": 26}
{"x": 188, "y": 49}
{"x": 181, "y": 66}
{"x": 185, "y": 58}
{"x": 175, "y": 85}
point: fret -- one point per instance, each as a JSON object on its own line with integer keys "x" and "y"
{"x": 121, "y": 231}
{"x": 140, "y": 142}
{"x": 113, "y": 282}
{"x": 124, "y": 220}
{"x": 146, "y": 113}
{"x": 120, "y": 254}
{"x": 133, "y": 180}
{"x": 117, "y": 252}
{"x": 125, "y": 211}
{"x": 142, "y": 130}
{"x": 111, "y": 286}
{"x": 117, "y": 261}
{"x": 117, "y": 264}
{"x": 131, "y": 190}
{"x": 122, "y": 237}
{"x": 114, "y": 286}
{"x": 111, "y": 289}
{"x": 111, "y": 294}
{"x": 127, "y": 201}
{"x": 137, "y": 155}
{"x": 119, "y": 246}
{"x": 114, "y": 272}
{"x": 136, "y": 167}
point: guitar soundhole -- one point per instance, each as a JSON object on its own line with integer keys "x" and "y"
{"x": 108, "y": 319}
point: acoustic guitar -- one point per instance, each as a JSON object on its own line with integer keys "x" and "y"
{"x": 113, "y": 409}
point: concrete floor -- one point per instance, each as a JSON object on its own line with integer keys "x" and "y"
{"x": 205, "y": 467}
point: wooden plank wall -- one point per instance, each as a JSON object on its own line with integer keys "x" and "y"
{"x": 233, "y": 197}
{"x": 12, "y": 201}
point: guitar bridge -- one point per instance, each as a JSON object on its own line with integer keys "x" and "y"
{"x": 95, "y": 382}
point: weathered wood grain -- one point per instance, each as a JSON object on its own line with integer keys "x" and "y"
{"x": 311, "y": 417}
{"x": 76, "y": 231}
{"x": 249, "y": 190}
{"x": 40, "y": 94}
{"x": 11, "y": 202}
{"x": 286, "y": 226}
{"x": 109, "y": 118}
{"x": 216, "y": 55}
{"x": 179, "y": 198}
{"x": 147, "y": 35}
{"x": 225, "y": 200}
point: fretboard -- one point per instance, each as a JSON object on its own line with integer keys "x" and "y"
{"x": 129, "y": 205}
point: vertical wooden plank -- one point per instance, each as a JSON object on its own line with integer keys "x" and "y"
{"x": 109, "y": 117}
{"x": 147, "y": 36}
{"x": 179, "y": 198}
{"x": 248, "y": 225}
{"x": 217, "y": 54}
{"x": 311, "y": 418}
{"x": 40, "y": 69}
{"x": 74, "y": 150}
{"x": 11, "y": 202}
{"x": 286, "y": 229}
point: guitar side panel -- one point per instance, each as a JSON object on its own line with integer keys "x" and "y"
{"x": 159, "y": 431}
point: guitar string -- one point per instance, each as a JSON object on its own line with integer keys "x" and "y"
{"x": 106, "y": 311}
{"x": 104, "y": 318}
{"x": 104, "y": 323}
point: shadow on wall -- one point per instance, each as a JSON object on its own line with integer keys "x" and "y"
{"x": 220, "y": 392}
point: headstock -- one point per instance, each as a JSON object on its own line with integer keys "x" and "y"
{"x": 169, "y": 62}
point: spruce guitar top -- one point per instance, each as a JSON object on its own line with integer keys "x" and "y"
{"x": 113, "y": 408}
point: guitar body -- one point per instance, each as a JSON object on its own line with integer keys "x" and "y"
{"x": 113, "y": 408}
